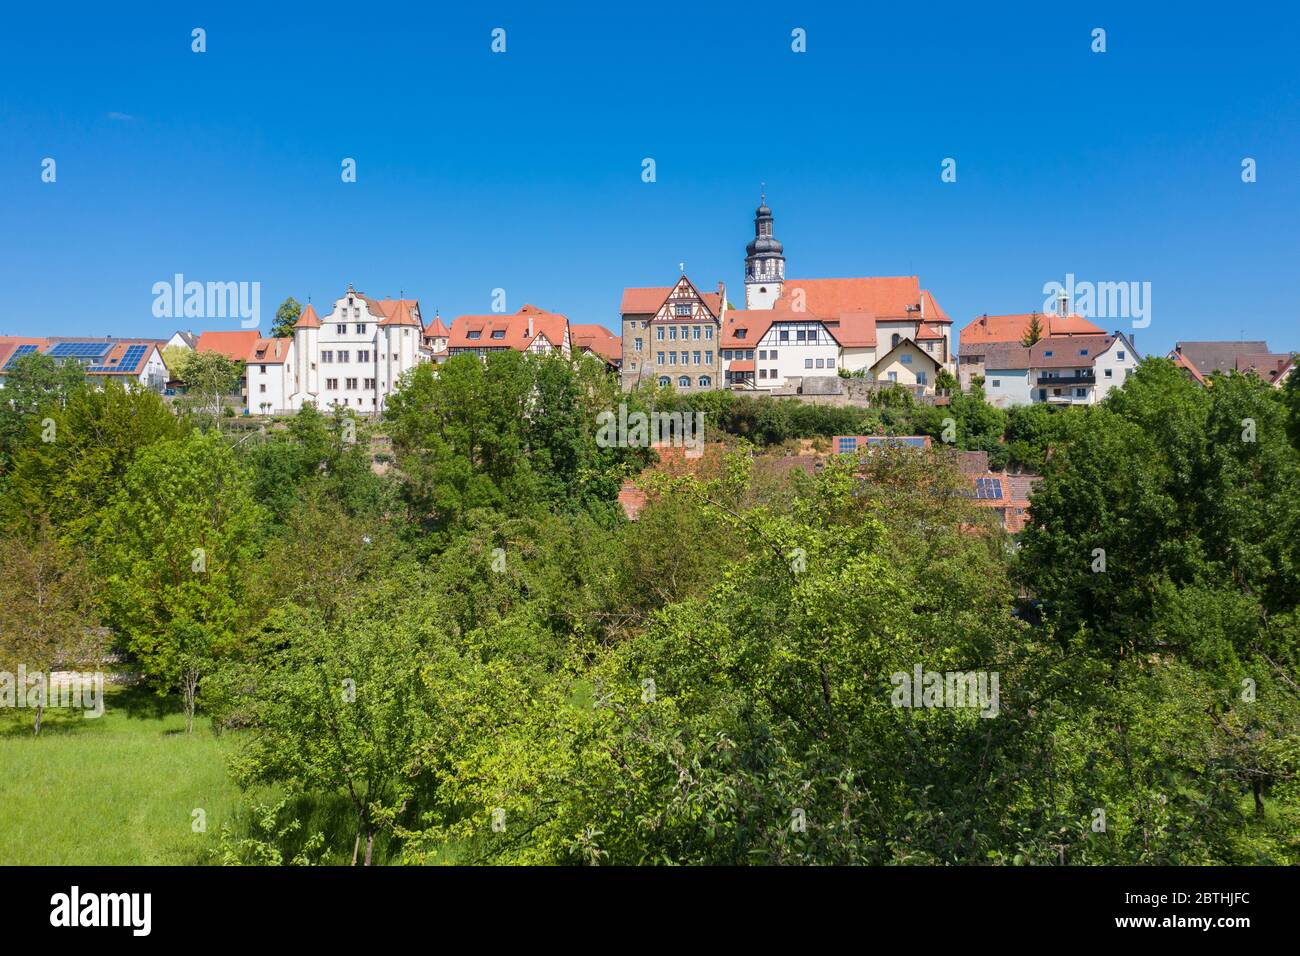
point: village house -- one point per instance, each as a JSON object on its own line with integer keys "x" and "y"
{"x": 103, "y": 359}
{"x": 529, "y": 330}
{"x": 1200, "y": 359}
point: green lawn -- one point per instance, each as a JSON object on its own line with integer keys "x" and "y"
{"x": 119, "y": 789}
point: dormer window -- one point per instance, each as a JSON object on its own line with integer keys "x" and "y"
{"x": 1047, "y": 354}
{"x": 1083, "y": 351}
{"x": 473, "y": 335}
{"x": 498, "y": 333}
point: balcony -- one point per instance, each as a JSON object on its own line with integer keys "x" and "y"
{"x": 1060, "y": 381}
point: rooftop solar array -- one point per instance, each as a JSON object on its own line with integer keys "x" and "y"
{"x": 80, "y": 350}
{"x": 129, "y": 360}
{"x": 990, "y": 488}
{"x": 19, "y": 353}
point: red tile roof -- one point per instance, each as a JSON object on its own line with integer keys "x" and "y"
{"x": 853, "y": 330}
{"x": 233, "y": 345}
{"x": 437, "y": 329}
{"x": 596, "y": 338}
{"x": 307, "y": 319}
{"x": 754, "y": 323}
{"x": 741, "y": 365}
{"x": 881, "y": 296}
{"x": 513, "y": 329}
{"x": 269, "y": 352}
{"x": 1012, "y": 328}
{"x": 647, "y": 300}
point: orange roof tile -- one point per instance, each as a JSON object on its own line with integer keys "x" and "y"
{"x": 233, "y": 345}
{"x": 477, "y": 331}
{"x": 1012, "y": 328}
{"x": 881, "y": 296}
{"x": 269, "y": 352}
{"x": 648, "y": 299}
{"x": 598, "y": 339}
{"x": 307, "y": 319}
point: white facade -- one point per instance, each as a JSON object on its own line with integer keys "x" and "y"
{"x": 1007, "y": 386}
{"x": 1114, "y": 366}
{"x": 794, "y": 349}
{"x": 355, "y": 355}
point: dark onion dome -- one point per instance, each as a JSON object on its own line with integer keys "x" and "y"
{"x": 764, "y": 245}
{"x": 762, "y": 212}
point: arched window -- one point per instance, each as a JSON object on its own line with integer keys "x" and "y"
{"x": 894, "y": 341}
{"x": 665, "y": 380}
{"x": 684, "y": 381}
{"x": 705, "y": 381}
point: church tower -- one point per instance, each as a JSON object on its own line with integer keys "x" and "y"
{"x": 764, "y": 262}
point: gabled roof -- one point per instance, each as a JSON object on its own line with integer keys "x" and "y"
{"x": 901, "y": 344}
{"x": 885, "y": 297}
{"x": 269, "y": 351}
{"x": 307, "y": 319}
{"x": 395, "y": 311}
{"x": 437, "y": 328}
{"x": 589, "y": 337}
{"x": 1186, "y": 364}
{"x": 189, "y": 338}
{"x": 10, "y": 344}
{"x": 513, "y": 329}
{"x": 753, "y": 322}
{"x": 987, "y": 329}
{"x": 1065, "y": 350}
{"x": 646, "y": 300}
{"x": 234, "y": 345}
{"x": 1219, "y": 356}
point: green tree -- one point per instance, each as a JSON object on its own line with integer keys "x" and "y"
{"x": 1033, "y": 331}
{"x": 210, "y": 377}
{"x": 32, "y": 383}
{"x": 285, "y": 317}
{"x": 175, "y": 547}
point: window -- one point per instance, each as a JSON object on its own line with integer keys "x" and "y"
{"x": 1083, "y": 351}
{"x": 350, "y": 383}
{"x": 830, "y": 363}
{"x": 708, "y": 358}
{"x": 363, "y": 355}
{"x": 684, "y": 381}
{"x": 369, "y": 384}
{"x": 726, "y": 354}
{"x": 665, "y": 380}
{"x": 893, "y": 376}
{"x": 807, "y": 363}
{"x": 633, "y": 365}
{"x": 800, "y": 335}
{"x": 996, "y": 383}
{"x": 672, "y": 333}
{"x": 772, "y": 354}
{"x": 821, "y": 363}
{"x": 361, "y": 328}
{"x": 784, "y": 335}
{"x": 929, "y": 346}
{"x": 762, "y": 373}
{"x": 473, "y": 334}
{"x": 659, "y": 333}
{"x": 1047, "y": 354}
{"x": 343, "y": 356}
{"x": 1110, "y": 373}
{"x": 705, "y": 381}
{"x": 697, "y": 358}
{"x": 1120, "y": 356}
{"x": 660, "y": 357}
{"x": 262, "y": 387}
{"x": 905, "y": 359}
{"x": 672, "y": 358}
{"x": 682, "y": 308}
{"x": 762, "y": 354}
{"x": 708, "y": 332}
{"x": 331, "y": 383}
{"x": 1080, "y": 393}
{"x": 894, "y": 341}
{"x": 262, "y": 369}
{"x": 498, "y": 333}
{"x": 920, "y": 378}
{"x": 341, "y": 328}
{"x": 638, "y": 345}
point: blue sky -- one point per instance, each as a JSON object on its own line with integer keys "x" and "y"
{"x": 523, "y": 170}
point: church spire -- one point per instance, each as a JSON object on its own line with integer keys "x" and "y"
{"x": 764, "y": 261}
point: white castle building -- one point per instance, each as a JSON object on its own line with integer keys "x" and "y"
{"x": 355, "y": 355}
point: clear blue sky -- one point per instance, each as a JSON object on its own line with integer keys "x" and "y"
{"x": 523, "y": 170}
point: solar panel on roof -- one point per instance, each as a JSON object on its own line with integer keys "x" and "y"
{"x": 80, "y": 349}
{"x": 20, "y": 352}
{"x": 130, "y": 359}
{"x": 988, "y": 488}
